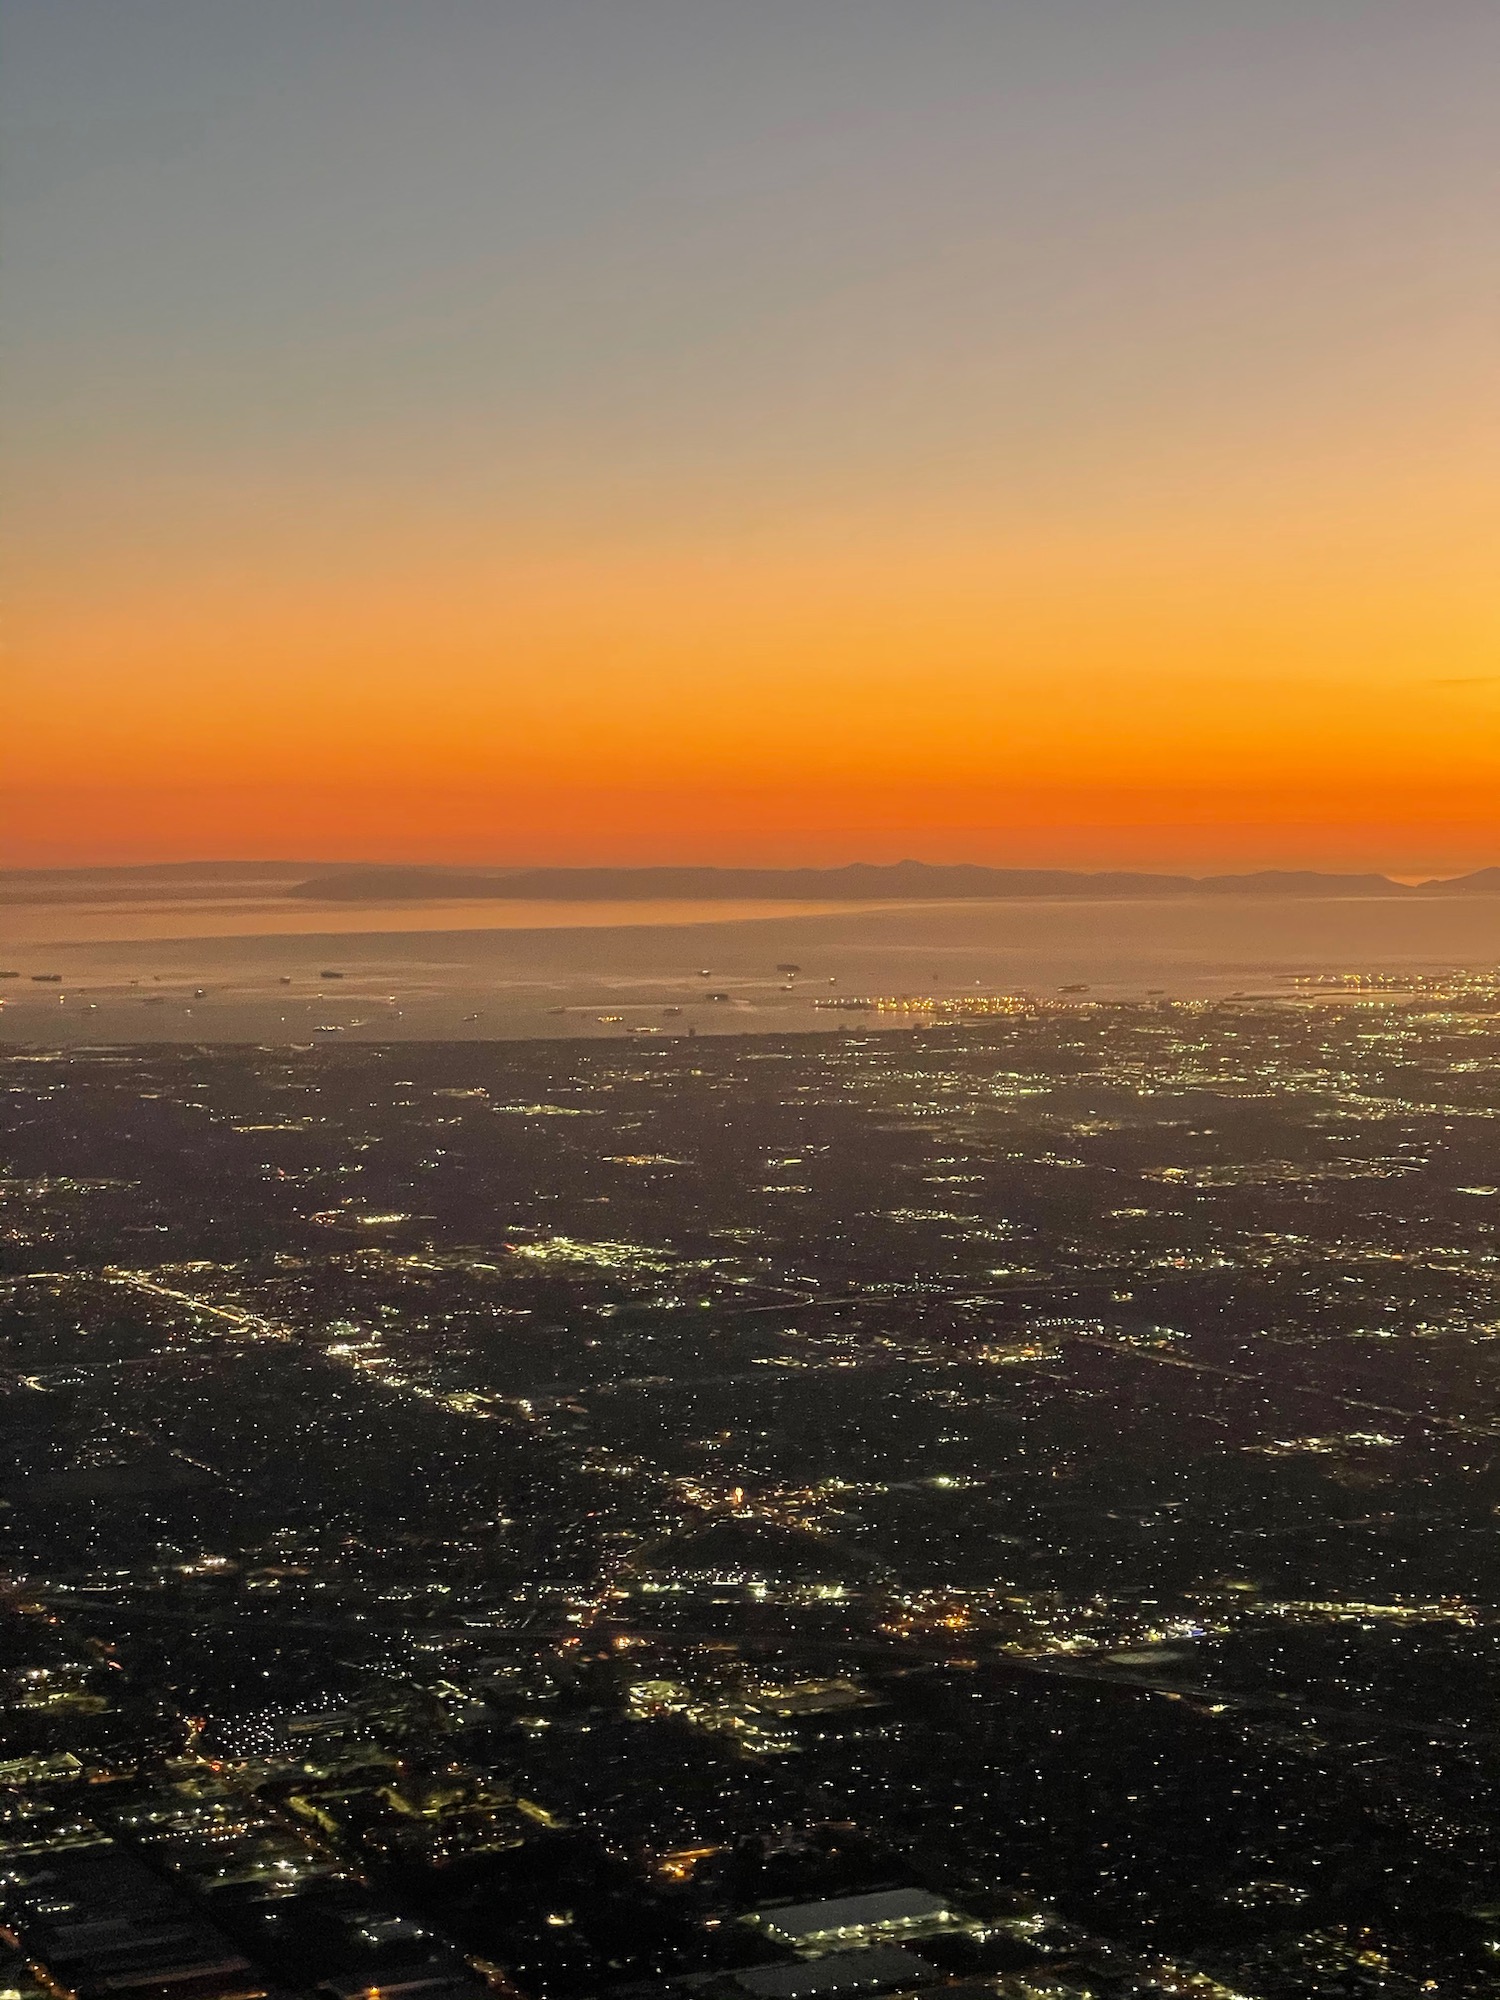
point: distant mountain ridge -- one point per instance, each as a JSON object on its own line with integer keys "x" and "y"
{"x": 166, "y": 880}
{"x": 860, "y": 881}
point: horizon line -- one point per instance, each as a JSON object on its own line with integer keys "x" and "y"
{"x": 500, "y": 869}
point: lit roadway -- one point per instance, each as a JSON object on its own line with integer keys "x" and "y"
{"x": 235, "y": 1316}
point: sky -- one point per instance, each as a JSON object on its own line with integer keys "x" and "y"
{"x": 1027, "y": 431}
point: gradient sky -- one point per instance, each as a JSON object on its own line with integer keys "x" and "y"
{"x": 752, "y": 430}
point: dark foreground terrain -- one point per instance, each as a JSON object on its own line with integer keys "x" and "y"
{"x": 505, "y": 1515}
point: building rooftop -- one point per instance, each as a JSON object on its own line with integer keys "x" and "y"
{"x": 850, "y": 1915}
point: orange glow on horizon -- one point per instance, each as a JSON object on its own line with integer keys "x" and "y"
{"x": 1170, "y": 700}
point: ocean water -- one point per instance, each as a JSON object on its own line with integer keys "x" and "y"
{"x": 192, "y": 969}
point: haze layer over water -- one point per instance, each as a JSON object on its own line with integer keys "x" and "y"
{"x": 199, "y": 970}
